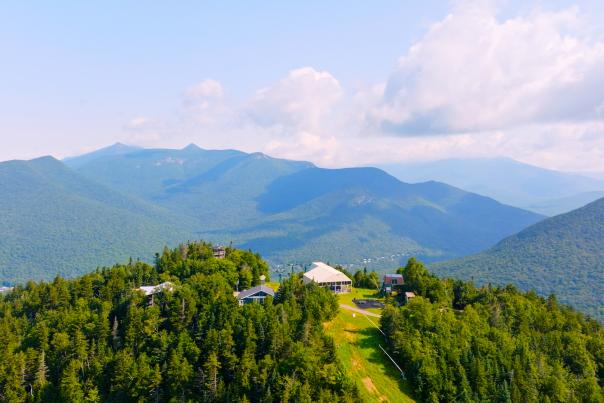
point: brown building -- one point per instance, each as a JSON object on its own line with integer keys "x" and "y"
{"x": 219, "y": 252}
{"x": 392, "y": 282}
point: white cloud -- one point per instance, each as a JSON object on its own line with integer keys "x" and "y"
{"x": 472, "y": 72}
{"x": 301, "y": 101}
{"x": 138, "y": 123}
{"x": 204, "y": 90}
{"x": 529, "y": 87}
{"x": 205, "y": 103}
{"x": 143, "y": 130}
{"x": 321, "y": 149}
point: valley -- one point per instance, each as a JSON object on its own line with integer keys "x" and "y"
{"x": 132, "y": 201}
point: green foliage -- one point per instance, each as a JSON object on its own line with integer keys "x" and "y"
{"x": 55, "y": 221}
{"x": 456, "y": 342}
{"x": 419, "y": 280}
{"x": 364, "y": 279}
{"x": 95, "y": 338}
{"x": 123, "y": 202}
{"x": 563, "y": 255}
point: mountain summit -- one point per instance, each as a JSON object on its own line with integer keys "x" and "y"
{"x": 294, "y": 211}
{"x": 115, "y": 149}
{"x": 126, "y": 199}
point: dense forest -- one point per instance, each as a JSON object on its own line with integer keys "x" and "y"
{"x": 96, "y": 338}
{"x": 563, "y": 255}
{"x": 459, "y": 343}
{"x": 103, "y": 207}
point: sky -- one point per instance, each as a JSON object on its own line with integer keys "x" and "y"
{"x": 337, "y": 83}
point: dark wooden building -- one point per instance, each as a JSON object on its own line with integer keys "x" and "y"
{"x": 392, "y": 282}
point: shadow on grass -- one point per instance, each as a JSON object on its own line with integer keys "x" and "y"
{"x": 366, "y": 293}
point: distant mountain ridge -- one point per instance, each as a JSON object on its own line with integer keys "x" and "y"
{"x": 115, "y": 149}
{"x": 130, "y": 200}
{"x": 294, "y": 211}
{"x": 562, "y": 255}
{"x": 511, "y": 182}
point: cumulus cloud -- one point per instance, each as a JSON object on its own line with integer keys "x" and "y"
{"x": 143, "y": 130}
{"x": 529, "y": 87}
{"x": 300, "y": 101}
{"x": 204, "y": 90}
{"x": 205, "y": 103}
{"x": 473, "y": 72}
{"x": 138, "y": 123}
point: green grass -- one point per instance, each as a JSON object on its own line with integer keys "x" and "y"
{"x": 357, "y": 342}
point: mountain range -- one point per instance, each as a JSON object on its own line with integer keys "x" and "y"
{"x": 562, "y": 255}
{"x": 129, "y": 201}
{"x": 55, "y": 221}
{"x": 515, "y": 183}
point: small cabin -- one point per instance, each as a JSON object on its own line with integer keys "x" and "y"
{"x": 219, "y": 252}
{"x": 409, "y": 296}
{"x": 255, "y": 295}
{"x": 391, "y": 282}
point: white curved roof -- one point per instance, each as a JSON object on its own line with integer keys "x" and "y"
{"x": 321, "y": 273}
{"x": 154, "y": 289}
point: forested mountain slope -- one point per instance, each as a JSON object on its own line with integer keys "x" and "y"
{"x": 96, "y": 338}
{"x": 55, "y": 221}
{"x": 562, "y": 255}
{"x": 293, "y": 211}
{"x": 429, "y": 219}
{"x": 123, "y": 200}
{"x": 457, "y": 343}
{"x": 115, "y": 149}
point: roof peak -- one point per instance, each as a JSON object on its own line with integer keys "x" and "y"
{"x": 321, "y": 272}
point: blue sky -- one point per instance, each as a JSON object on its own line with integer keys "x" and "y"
{"x": 319, "y": 80}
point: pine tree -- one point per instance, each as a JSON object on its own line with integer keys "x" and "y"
{"x": 40, "y": 376}
{"x": 211, "y": 368}
{"x": 70, "y": 387}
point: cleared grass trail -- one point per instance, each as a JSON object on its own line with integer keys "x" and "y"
{"x": 357, "y": 340}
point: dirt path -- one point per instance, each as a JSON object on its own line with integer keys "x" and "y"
{"x": 361, "y": 311}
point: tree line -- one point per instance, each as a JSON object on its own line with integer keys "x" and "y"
{"x": 459, "y": 343}
{"x": 96, "y": 338}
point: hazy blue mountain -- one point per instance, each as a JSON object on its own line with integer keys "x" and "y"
{"x": 511, "y": 182}
{"x": 562, "y": 255}
{"x": 115, "y": 149}
{"x": 292, "y": 211}
{"x": 565, "y": 204}
{"x": 131, "y": 201}
{"x": 376, "y": 215}
{"x": 215, "y": 187}
{"x": 53, "y": 220}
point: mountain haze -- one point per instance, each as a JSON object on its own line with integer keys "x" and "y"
{"x": 526, "y": 186}
{"x": 125, "y": 201}
{"x": 115, "y": 149}
{"x": 294, "y": 211}
{"x": 562, "y": 255}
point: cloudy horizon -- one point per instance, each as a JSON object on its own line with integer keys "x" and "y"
{"x": 476, "y": 79}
